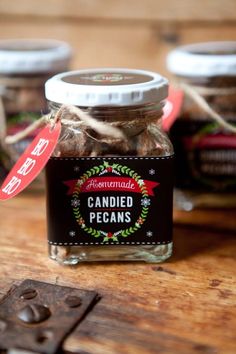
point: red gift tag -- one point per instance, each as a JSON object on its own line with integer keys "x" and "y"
{"x": 172, "y": 108}
{"x": 31, "y": 162}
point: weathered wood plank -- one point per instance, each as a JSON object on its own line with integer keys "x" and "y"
{"x": 149, "y": 10}
{"x": 112, "y": 45}
{"x": 126, "y": 329}
{"x": 210, "y": 220}
{"x": 187, "y": 303}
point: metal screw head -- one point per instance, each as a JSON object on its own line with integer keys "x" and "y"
{"x": 28, "y": 294}
{"x": 73, "y": 301}
{"x": 44, "y": 336}
{"x": 34, "y": 313}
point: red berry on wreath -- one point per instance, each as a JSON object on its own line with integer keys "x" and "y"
{"x": 109, "y": 169}
{"x": 110, "y": 234}
{"x": 140, "y": 221}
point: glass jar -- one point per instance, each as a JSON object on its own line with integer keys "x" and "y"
{"x": 205, "y": 150}
{"x": 25, "y": 66}
{"x": 109, "y": 198}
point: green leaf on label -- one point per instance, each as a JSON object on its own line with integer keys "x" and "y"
{"x": 123, "y": 233}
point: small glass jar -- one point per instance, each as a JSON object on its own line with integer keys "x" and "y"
{"x": 110, "y": 199}
{"x": 25, "y": 66}
{"x": 205, "y": 151}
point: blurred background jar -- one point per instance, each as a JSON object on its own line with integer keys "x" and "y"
{"x": 205, "y": 149}
{"x": 25, "y": 66}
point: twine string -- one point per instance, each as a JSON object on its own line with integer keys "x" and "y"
{"x": 76, "y": 117}
{"x": 65, "y": 111}
{"x": 202, "y": 103}
{"x": 213, "y": 91}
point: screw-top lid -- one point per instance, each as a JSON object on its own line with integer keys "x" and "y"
{"x": 204, "y": 59}
{"x": 24, "y": 56}
{"x": 106, "y": 87}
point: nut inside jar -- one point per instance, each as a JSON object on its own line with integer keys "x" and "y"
{"x": 105, "y": 230}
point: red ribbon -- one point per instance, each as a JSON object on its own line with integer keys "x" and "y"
{"x": 101, "y": 184}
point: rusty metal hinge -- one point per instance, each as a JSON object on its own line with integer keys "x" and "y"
{"x": 36, "y": 317}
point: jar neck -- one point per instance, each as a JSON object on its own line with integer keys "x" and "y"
{"x": 18, "y": 82}
{"x": 216, "y": 81}
{"x": 133, "y": 119}
{"x": 123, "y": 113}
{"x": 218, "y": 92}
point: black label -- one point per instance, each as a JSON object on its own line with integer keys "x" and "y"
{"x": 205, "y": 156}
{"x": 109, "y": 200}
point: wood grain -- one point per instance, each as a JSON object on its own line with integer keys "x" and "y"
{"x": 114, "y": 45}
{"x": 149, "y": 10}
{"x": 186, "y": 305}
{"x": 207, "y": 220}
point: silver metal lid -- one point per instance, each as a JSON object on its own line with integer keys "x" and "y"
{"x": 106, "y": 87}
{"x": 204, "y": 59}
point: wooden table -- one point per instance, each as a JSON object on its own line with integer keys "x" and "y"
{"x": 186, "y": 305}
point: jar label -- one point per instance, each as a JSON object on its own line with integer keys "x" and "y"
{"x": 109, "y": 200}
{"x": 107, "y": 78}
{"x": 206, "y": 156}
